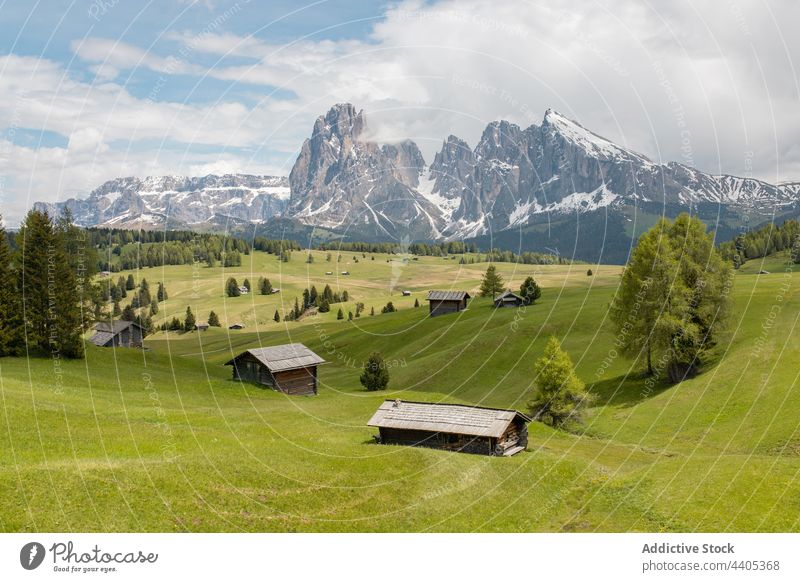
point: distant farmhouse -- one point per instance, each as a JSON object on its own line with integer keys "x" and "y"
{"x": 236, "y": 326}
{"x": 452, "y": 427}
{"x": 291, "y": 368}
{"x": 244, "y": 290}
{"x": 123, "y": 334}
{"x": 406, "y": 293}
{"x": 509, "y": 299}
{"x": 442, "y": 302}
{"x": 201, "y": 326}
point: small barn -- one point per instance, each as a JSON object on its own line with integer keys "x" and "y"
{"x": 442, "y": 302}
{"x": 123, "y": 334}
{"x": 201, "y": 326}
{"x": 452, "y": 427}
{"x": 290, "y": 368}
{"x": 236, "y": 326}
{"x": 244, "y": 290}
{"x": 509, "y": 299}
{"x": 406, "y": 293}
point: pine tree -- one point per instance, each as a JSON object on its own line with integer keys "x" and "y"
{"x": 128, "y": 314}
{"x": 297, "y": 311}
{"x": 349, "y": 316}
{"x": 589, "y": 273}
{"x": 121, "y": 284}
{"x": 232, "y": 288}
{"x": 277, "y": 317}
{"x": 372, "y": 311}
{"x": 374, "y": 375}
{"x": 340, "y": 314}
{"x": 265, "y": 287}
{"x": 323, "y": 305}
{"x": 530, "y": 290}
{"x": 153, "y": 307}
{"x": 144, "y": 293}
{"x": 246, "y": 285}
{"x": 559, "y": 395}
{"x": 213, "y": 320}
{"x": 162, "y": 292}
{"x": 388, "y": 308}
{"x": 11, "y": 341}
{"x": 130, "y": 284}
{"x": 416, "y": 302}
{"x": 117, "y": 310}
{"x": 189, "y": 322}
{"x": 492, "y": 283}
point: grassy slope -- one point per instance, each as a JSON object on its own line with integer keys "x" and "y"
{"x": 163, "y": 440}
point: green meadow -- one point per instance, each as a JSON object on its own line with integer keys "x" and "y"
{"x": 162, "y": 439}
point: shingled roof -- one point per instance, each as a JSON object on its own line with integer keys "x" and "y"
{"x": 447, "y": 418}
{"x": 282, "y": 358}
{"x": 447, "y": 295}
{"x": 104, "y": 331}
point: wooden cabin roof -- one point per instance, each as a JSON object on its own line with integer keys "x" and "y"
{"x": 447, "y": 295}
{"x": 447, "y": 418}
{"x": 509, "y": 295}
{"x": 105, "y": 331}
{"x": 283, "y": 358}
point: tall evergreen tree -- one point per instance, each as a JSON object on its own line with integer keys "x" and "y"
{"x": 492, "y": 283}
{"x": 232, "y": 288}
{"x": 130, "y": 283}
{"x": 213, "y": 320}
{"x": 128, "y": 314}
{"x": 11, "y": 341}
{"x": 189, "y": 322}
{"x": 277, "y": 317}
{"x": 265, "y": 287}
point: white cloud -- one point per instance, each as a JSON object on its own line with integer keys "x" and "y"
{"x": 705, "y": 83}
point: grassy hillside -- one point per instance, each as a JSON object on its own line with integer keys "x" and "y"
{"x": 163, "y": 440}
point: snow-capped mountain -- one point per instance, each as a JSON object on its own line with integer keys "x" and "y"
{"x": 513, "y": 177}
{"x": 343, "y": 181}
{"x": 178, "y": 201}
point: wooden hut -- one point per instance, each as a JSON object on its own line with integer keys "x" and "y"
{"x": 123, "y": 334}
{"x": 452, "y": 427}
{"x": 442, "y": 302}
{"x": 236, "y": 326}
{"x": 291, "y": 368}
{"x": 509, "y": 299}
{"x": 201, "y": 326}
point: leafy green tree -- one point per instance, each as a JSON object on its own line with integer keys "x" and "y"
{"x": 673, "y": 299}
{"x": 232, "y": 288}
{"x": 559, "y": 395}
{"x": 589, "y": 273}
{"x": 374, "y": 375}
{"x": 492, "y": 283}
{"x": 189, "y": 322}
{"x": 530, "y": 290}
{"x": 213, "y": 320}
{"x": 388, "y": 308}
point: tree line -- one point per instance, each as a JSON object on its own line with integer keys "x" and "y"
{"x": 762, "y": 242}
{"x": 44, "y": 287}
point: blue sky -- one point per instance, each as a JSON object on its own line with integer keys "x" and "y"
{"x": 93, "y": 90}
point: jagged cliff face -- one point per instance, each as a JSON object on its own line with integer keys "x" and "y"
{"x": 560, "y": 167}
{"x": 513, "y": 177}
{"x": 343, "y": 181}
{"x": 178, "y": 201}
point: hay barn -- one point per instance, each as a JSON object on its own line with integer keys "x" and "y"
{"x": 452, "y": 427}
{"x": 442, "y": 302}
{"x": 509, "y": 299}
{"x": 290, "y": 368}
{"x": 123, "y": 334}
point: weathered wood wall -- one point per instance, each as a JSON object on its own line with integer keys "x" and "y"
{"x": 436, "y": 440}
{"x": 442, "y": 307}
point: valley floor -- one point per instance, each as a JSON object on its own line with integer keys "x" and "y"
{"x": 163, "y": 440}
